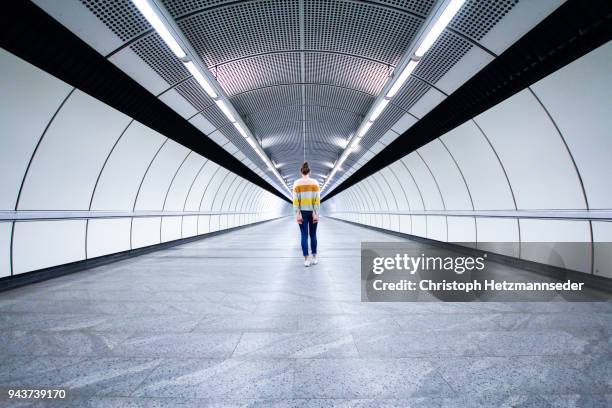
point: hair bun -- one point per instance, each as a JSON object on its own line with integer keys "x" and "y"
{"x": 305, "y": 169}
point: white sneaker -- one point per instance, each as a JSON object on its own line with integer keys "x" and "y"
{"x": 307, "y": 263}
{"x": 315, "y": 260}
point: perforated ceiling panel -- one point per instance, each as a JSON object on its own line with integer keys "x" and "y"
{"x": 158, "y": 56}
{"x": 121, "y": 16}
{"x": 243, "y": 29}
{"x": 476, "y": 18}
{"x": 302, "y": 74}
{"x": 361, "y": 29}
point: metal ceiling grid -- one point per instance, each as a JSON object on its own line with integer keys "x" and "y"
{"x": 215, "y": 117}
{"x": 336, "y": 121}
{"x": 339, "y": 98}
{"x": 360, "y": 29}
{"x": 412, "y": 91}
{"x": 178, "y": 8}
{"x": 158, "y": 56}
{"x": 244, "y": 29}
{"x": 120, "y": 16}
{"x": 446, "y": 52}
{"x": 194, "y": 94}
{"x": 476, "y": 17}
{"x": 259, "y": 71}
{"x": 346, "y": 71}
{"x": 346, "y": 54}
{"x": 266, "y": 99}
{"x": 387, "y": 119}
{"x": 419, "y": 7}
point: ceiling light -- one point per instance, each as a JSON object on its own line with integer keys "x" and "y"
{"x": 251, "y": 142}
{"x": 364, "y": 129}
{"x": 402, "y": 78}
{"x": 241, "y": 130}
{"x": 355, "y": 142}
{"x": 379, "y": 109}
{"x": 447, "y": 15}
{"x": 147, "y": 11}
{"x": 225, "y": 110}
{"x": 191, "y": 67}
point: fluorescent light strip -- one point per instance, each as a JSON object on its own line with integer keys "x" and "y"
{"x": 242, "y": 131}
{"x": 355, "y": 142}
{"x": 403, "y": 77}
{"x": 447, "y": 15}
{"x": 226, "y": 111}
{"x": 379, "y": 109}
{"x": 147, "y": 11}
{"x": 364, "y": 129}
{"x": 191, "y": 67}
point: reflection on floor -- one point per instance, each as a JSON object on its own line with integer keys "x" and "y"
{"x": 236, "y": 320}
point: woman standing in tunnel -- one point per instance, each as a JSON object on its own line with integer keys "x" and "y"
{"x": 306, "y": 203}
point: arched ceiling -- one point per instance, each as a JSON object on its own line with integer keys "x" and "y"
{"x": 302, "y": 74}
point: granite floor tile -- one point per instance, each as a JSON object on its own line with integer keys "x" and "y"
{"x": 237, "y": 321}
{"x": 203, "y": 345}
{"x": 67, "y": 343}
{"x": 220, "y": 378}
{"x": 368, "y": 378}
{"x": 297, "y": 345}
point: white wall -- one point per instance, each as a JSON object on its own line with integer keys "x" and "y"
{"x": 63, "y": 150}
{"x": 545, "y": 149}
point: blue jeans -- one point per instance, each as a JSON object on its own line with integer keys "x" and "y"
{"x": 308, "y": 227}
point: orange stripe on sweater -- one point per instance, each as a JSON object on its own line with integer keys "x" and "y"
{"x": 306, "y": 187}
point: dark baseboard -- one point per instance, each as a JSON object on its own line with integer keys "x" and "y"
{"x": 15, "y": 281}
{"x": 562, "y": 274}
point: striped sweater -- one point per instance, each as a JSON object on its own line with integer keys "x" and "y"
{"x": 306, "y": 195}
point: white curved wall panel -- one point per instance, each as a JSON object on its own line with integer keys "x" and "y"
{"x": 484, "y": 176}
{"x": 436, "y": 227}
{"x": 533, "y": 153}
{"x": 447, "y": 175}
{"x": 602, "y": 236}
{"x": 93, "y": 157}
{"x": 145, "y": 231}
{"x": 500, "y": 235}
{"x": 175, "y": 199}
{"x": 409, "y": 188}
{"x": 545, "y": 147}
{"x": 171, "y": 228}
{"x": 5, "y": 248}
{"x": 194, "y": 197}
{"x": 210, "y": 192}
{"x": 71, "y": 154}
{"x": 41, "y": 244}
{"x": 220, "y": 198}
{"x": 461, "y": 229}
{"x": 29, "y": 98}
{"x": 107, "y": 236}
{"x": 425, "y": 182}
{"x": 558, "y": 240}
{"x": 578, "y": 99}
{"x": 125, "y": 168}
{"x": 189, "y": 226}
{"x": 159, "y": 176}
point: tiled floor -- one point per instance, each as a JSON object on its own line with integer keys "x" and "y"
{"x": 236, "y": 320}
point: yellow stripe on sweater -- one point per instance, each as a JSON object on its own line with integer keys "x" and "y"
{"x": 307, "y": 201}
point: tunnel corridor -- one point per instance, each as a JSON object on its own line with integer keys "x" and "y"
{"x": 156, "y": 157}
